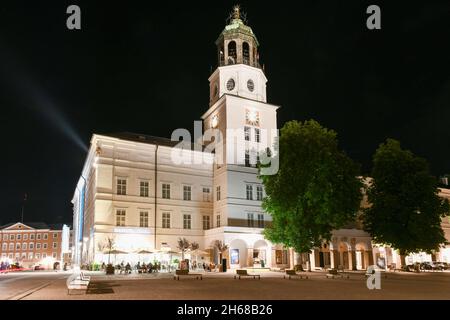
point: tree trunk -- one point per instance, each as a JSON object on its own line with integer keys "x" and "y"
{"x": 402, "y": 259}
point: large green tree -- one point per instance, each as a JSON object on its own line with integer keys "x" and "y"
{"x": 404, "y": 210}
{"x": 316, "y": 189}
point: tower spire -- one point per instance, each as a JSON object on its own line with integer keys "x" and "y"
{"x": 237, "y": 12}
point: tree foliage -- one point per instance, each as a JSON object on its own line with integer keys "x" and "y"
{"x": 316, "y": 189}
{"x": 405, "y": 210}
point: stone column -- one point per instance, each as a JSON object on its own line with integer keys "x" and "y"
{"x": 334, "y": 257}
{"x": 291, "y": 258}
{"x": 313, "y": 259}
{"x": 352, "y": 259}
{"x": 370, "y": 258}
{"x": 250, "y": 257}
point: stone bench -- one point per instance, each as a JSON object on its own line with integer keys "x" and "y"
{"x": 243, "y": 273}
{"x": 292, "y": 273}
{"x": 186, "y": 273}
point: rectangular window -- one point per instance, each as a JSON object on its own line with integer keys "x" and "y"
{"x": 55, "y": 235}
{"x": 17, "y": 246}
{"x": 10, "y": 256}
{"x": 218, "y": 221}
{"x": 143, "y": 219}
{"x": 12, "y": 237}
{"x": 4, "y": 246}
{"x": 44, "y": 255}
{"x": 218, "y": 195}
{"x": 247, "y": 158}
{"x": 250, "y": 221}
{"x": 44, "y": 246}
{"x": 38, "y": 255}
{"x": 45, "y": 236}
{"x": 206, "y": 223}
{"x": 257, "y": 135}
{"x": 260, "y": 220}
{"x": 30, "y": 256}
{"x": 31, "y": 245}
{"x": 31, "y": 236}
{"x": 166, "y": 220}
{"x": 259, "y": 193}
{"x": 120, "y": 218}
{"x": 247, "y": 133}
{"x": 38, "y": 237}
{"x": 187, "y": 193}
{"x": 38, "y": 245}
{"x": 19, "y": 237}
{"x": 186, "y": 221}
{"x": 249, "y": 189}
{"x": 166, "y": 191}
{"x": 206, "y": 194}
{"x": 17, "y": 255}
{"x": 55, "y": 245}
{"x": 54, "y": 255}
{"x": 25, "y": 236}
{"x": 5, "y": 237}
{"x": 24, "y": 255}
{"x": 11, "y": 246}
{"x": 144, "y": 189}
{"x": 121, "y": 187}
{"x": 24, "y": 246}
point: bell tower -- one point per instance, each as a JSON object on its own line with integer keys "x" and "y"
{"x": 239, "y": 71}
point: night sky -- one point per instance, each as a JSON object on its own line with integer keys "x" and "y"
{"x": 143, "y": 67}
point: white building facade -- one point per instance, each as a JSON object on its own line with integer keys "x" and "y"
{"x": 132, "y": 191}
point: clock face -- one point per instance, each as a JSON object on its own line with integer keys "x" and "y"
{"x": 230, "y": 84}
{"x": 214, "y": 122}
{"x": 252, "y": 117}
{"x": 250, "y": 85}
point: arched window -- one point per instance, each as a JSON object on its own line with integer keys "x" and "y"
{"x": 232, "y": 55}
{"x": 246, "y": 53}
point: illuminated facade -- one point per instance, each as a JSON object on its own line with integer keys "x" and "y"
{"x": 133, "y": 192}
{"x": 33, "y": 244}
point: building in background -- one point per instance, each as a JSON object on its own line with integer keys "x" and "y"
{"x": 33, "y": 244}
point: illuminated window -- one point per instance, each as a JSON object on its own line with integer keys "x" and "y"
{"x": 143, "y": 219}
{"x": 30, "y": 256}
{"x": 121, "y": 187}
{"x": 186, "y": 221}
{"x": 166, "y": 220}
{"x": 206, "y": 223}
{"x": 249, "y": 189}
{"x": 120, "y": 218}
{"x": 166, "y": 191}
{"x": 44, "y": 255}
{"x": 187, "y": 193}
{"x": 5, "y": 237}
{"x": 144, "y": 189}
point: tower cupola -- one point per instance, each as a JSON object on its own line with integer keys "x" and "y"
{"x": 237, "y": 44}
